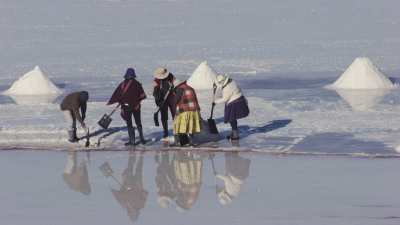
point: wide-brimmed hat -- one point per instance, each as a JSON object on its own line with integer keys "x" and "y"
{"x": 164, "y": 201}
{"x": 221, "y": 80}
{"x": 232, "y": 184}
{"x": 161, "y": 73}
{"x": 223, "y": 197}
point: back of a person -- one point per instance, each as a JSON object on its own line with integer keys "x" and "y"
{"x": 187, "y": 99}
{"x": 70, "y": 101}
{"x": 133, "y": 91}
{"x": 232, "y": 90}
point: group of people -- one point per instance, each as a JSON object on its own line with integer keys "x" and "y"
{"x": 170, "y": 94}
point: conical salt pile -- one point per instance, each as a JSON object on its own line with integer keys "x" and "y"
{"x": 33, "y": 83}
{"x": 362, "y": 74}
{"x": 203, "y": 77}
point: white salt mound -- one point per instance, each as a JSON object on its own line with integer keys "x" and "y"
{"x": 33, "y": 83}
{"x": 203, "y": 77}
{"x": 362, "y": 74}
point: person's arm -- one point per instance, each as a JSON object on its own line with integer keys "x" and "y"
{"x": 78, "y": 116}
{"x": 226, "y": 95}
{"x": 116, "y": 96}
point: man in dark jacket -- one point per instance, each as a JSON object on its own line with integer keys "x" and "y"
{"x": 163, "y": 85}
{"x": 129, "y": 94}
{"x": 71, "y": 105}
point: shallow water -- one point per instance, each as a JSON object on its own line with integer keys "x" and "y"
{"x": 181, "y": 188}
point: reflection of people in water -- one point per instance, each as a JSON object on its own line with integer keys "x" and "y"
{"x": 76, "y": 176}
{"x": 132, "y": 196}
{"x": 236, "y": 171}
{"x": 188, "y": 172}
{"x": 165, "y": 180}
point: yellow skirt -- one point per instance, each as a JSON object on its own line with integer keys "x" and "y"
{"x": 187, "y": 123}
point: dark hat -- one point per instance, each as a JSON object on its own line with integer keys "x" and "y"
{"x": 130, "y": 73}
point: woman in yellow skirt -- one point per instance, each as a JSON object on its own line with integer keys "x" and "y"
{"x": 187, "y": 118}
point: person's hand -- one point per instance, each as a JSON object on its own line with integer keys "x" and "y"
{"x": 137, "y": 107}
{"x": 83, "y": 125}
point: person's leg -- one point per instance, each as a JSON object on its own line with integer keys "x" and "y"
{"x": 172, "y": 106}
{"x": 131, "y": 130}
{"x": 234, "y": 125}
{"x": 235, "y": 132}
{"x": 164, "y": 120}
{"x": 138, "y": 121}
{"x": 69, "y": 116}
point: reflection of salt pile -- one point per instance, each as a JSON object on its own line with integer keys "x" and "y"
{"x": 203, "y": 77}
{"x": 362, "y": 100}
{"x": 362, "y": 74}
{"x": 32, "y": 88}
{"x": 362, "y": 85}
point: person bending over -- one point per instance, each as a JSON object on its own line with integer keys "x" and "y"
{"x": 74, "y": 106}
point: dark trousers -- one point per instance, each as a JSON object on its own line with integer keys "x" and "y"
{"x": 234, "y": 124}
{"x": 164, "y": 113}
{"x": 136, "y": 115}
{"x": 70, "y": 117}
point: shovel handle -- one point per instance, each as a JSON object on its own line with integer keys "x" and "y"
{"x": 115, "y": 109}
{"x": 213, "y": 105}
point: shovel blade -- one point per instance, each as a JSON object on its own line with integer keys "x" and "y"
{"x": 105, "y": 121}
{"x": 212, "y": 126}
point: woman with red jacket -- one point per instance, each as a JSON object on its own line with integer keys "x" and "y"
{"x": 187, "y": 118}
{"x": 129, "y": 94}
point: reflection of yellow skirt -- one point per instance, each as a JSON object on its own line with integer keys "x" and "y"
{"x": 187, "y": 123}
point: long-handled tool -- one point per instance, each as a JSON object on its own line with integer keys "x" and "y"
{"x": 211, "y": 122}
{"x": 155, "y": 116}
{"x": 87, "y": 144}
{"x": 105, "y": 168}
{"x": 105, "y": 121}
{"x": 211, "y": 158}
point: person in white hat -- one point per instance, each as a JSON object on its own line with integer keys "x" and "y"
{"x": 237, "y": 169}
{"x": 163, "y": 85}
{"x": 236, "y": 106}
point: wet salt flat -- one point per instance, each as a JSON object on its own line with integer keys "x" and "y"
{"x": 44, "y": 187}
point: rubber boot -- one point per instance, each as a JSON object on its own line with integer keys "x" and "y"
{"x": 142, "y": 140}
{"x": 72, "y": 136}
{"x": 131, "y": 133}
{"x": 235, "y": 135}
{"x": 190, "y": 140}
{"x": 177, "y": 141}
{"x": 184, "y": 140}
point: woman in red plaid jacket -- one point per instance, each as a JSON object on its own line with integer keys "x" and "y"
{"x": 187, "y": 118}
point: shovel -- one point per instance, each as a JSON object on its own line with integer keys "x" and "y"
{"x": 105, "y": 168}
{"x": 87, "y": 144}
{"x": 211, "y": 122}
{"x": 105, "y": 121}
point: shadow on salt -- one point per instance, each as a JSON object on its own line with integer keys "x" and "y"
{"x": 340, "y": 143}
